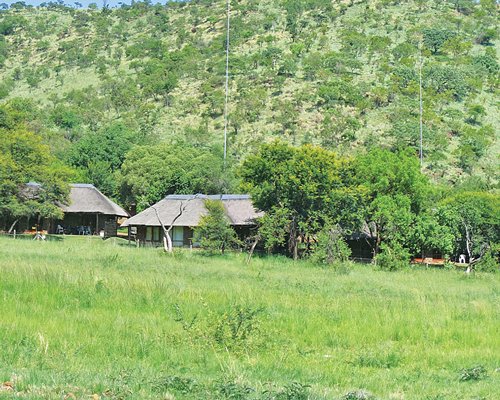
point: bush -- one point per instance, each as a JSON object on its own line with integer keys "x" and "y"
{"x": 358, "y": 395}
{"x": 489, "y": 262}
{"x": 331, "y": 247}
{"x": 214, "y": 231}
{"x": 392, "y": 257}
{"x": 233, "y": 390}
{"x": 177, "y": 384}
{"x": 473, "y": 374}
{"x": 294, "y": 391}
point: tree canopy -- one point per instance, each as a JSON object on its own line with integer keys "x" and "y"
{"x": 298, "y": 187}
{"x": 149, "y": 173}
{"x": 24, "y": 159}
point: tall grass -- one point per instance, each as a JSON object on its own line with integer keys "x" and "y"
{"x": 90, "y": 317}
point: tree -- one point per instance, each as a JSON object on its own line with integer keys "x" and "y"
{"x": 435, "y": 38}
{"x": 473, "y": 145}
{"x": 100, "y": 154}
{"x": 486, "y": 63}
{"x": 446, "y": 79}
{"x": 214, "y": 231}
{"x": 395, "y": 192}
{"x": 339, "y": 91}
{"x": 65, "y": 117}
{"x": 428, "y": 234}
{"x": 298, "y": 188}
{"x": 149, "y": 173}
{"x": 24, "y": 158}
{"x": 474, "y": 220}
{"x": 10, "y": 23}
{"x": 486, "y": 36}
{"x": 338, "y": 129}
{"x": 463, "y": 6}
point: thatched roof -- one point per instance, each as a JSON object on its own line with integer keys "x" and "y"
{"x": 30, "y": 191}
{"x": 86, "y": 198}
{"x": 239, "y": 210}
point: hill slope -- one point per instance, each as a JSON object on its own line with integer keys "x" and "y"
{"x": 340, "y": 74}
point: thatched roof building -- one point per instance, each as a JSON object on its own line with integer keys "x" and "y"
{"x": 88, "y": 211}
{"x": 86, "y": 198}
{"x": 239, "y": 210}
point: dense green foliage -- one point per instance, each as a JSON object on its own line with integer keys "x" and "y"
{"x": 86, "y": 316}
{"x": 474, "y": 218}
{"x": 340, "y": 74}
{"x": 300, "y": 188}
{"x": 331, "y": 247}
{"x": 309, "y": 193}
{"x": 214, "y": 233}
{"x": 25, "y": 158}
{"x": 150, "y": 172}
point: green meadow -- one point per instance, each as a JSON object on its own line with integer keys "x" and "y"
{"x": 82, "y": 319}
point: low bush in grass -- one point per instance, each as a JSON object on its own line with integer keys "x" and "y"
{"x": 331, "y": 249}
{"x": 489, "y": 262}
{"x": 235, "y": 329}
{"x": 475, "y": 373}
{"x": 392, "y": 257}
{"x": 358, "y": 395}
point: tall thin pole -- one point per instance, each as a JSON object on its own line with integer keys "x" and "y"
{"x": 421, "y": 107}
{"x": 227, "y": 83}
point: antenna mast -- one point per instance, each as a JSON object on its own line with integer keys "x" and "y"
{"x": 227, "y": 82}
{"x": 421, "y": 106}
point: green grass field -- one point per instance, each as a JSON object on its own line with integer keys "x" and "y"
{"x": 84, "y": 317}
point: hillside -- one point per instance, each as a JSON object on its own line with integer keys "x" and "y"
{"x": 340, "y": 74}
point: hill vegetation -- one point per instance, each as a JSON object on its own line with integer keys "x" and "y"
{"x": 103, "y": 88}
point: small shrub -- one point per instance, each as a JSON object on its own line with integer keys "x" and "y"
{"x": 392, "y": 257}
{"x": 291, "y": 391}
{"x": 331, "y": 247}
{"x": 236, "y": 326}
{"x": 488, "y": 263}
{"x": 294, "y": 391}
{"x": 177, "y": 384}
{"x": 448, "y": 265}
{"x": 358, "y": 395}
{"x": 235, "y": 329}
{"x": 233, "y": 390}
{"x": 473, "y": 374}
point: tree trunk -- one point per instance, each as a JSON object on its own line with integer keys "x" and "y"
{"x": 378, "y": 241}
{"x": 468, "y": 246}
{"x": 167, "y": 241}
{"x": 12, "y": 226}
{"x": 254, "y": 245}
{"x": 293, "y": 240}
